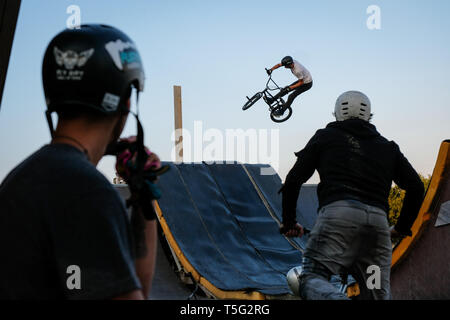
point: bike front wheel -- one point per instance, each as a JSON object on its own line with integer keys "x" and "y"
{"x": 251, "y": 101}
{"x": 277, "y": 116}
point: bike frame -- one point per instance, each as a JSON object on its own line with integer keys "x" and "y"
{"x": 266, "y": 92}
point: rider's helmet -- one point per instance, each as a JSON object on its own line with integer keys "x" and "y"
{"x": 352, "y": 104}
{"x": 93, "y": 67}
{"x": 293, "y": 280}
{"x": 287, "y": 61}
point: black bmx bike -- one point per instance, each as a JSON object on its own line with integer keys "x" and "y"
{"x": 278, "y": 113}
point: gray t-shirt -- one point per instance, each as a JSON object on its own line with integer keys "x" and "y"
{"x": 58, "y": 211}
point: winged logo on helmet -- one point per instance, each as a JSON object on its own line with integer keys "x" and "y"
{"x": 71, "y": 59}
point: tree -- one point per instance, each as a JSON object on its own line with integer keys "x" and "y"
{"x": 396, "y": 196}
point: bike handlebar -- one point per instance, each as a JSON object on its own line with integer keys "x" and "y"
{"x": 270, "y": 79}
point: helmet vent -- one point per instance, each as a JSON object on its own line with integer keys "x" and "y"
{"x": 344, "y": 103}
{"x": 363, "y": 104}
{"x": 346, "y": 108}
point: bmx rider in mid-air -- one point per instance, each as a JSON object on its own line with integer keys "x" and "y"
{"x": 304, "y": 82}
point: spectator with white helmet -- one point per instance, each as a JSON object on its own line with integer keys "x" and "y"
{"x": 303, "y": 83}
{"x": 356, "y": 166}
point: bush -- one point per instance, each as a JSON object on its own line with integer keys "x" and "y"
{"x": 395, "y": 199}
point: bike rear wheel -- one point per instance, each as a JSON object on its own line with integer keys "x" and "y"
{"x": 282, "y": 117}
{"x": 251, "y": 101}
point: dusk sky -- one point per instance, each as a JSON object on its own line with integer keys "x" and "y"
{"x": 217, "y": 52}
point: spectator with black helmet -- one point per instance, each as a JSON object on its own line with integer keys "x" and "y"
{"x": 304, "y": 82}
{"x": 58, "y": 213}
{"x": 356, "y": 166}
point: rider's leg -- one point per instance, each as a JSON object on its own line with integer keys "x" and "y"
{"x": 275, "y": 97}
{"x": 303, "y": 88}
{"x": 292, "y": 96}
{"x": 282, "y": 94}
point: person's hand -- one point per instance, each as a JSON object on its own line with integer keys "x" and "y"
{"x": 140, "y": 170}
{"x": 293, "y": 231}
{"x": 269, "y": 72}
{"x": 395, "y": 234}
{"x": 285, "y": 90}
{"x": 127, "y": 159}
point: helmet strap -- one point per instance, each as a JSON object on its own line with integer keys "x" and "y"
{"x": 137, "y": 102}
{"x": 142, "y": 154}
{"x": 116, "y": 147}
{"x": 48, "y": 115}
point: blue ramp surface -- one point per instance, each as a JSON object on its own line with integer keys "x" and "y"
{"x": 269, "y": 185}
{"x": 253, "y": 217}
{"x": 224, "y": 219}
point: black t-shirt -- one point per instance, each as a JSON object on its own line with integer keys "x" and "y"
{"x": 58, "y": 211}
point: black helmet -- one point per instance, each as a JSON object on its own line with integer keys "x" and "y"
{"x": 286, "y": 61}
{"x": 94, "y": 66}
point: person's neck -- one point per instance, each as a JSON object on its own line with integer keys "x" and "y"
{"x": 91, "y": 140}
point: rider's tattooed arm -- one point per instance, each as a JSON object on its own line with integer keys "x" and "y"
{"x": 275, "y": 67}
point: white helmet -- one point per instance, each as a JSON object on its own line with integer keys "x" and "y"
{"x": 293, "y": 280}
{"x": 352, "y": 104}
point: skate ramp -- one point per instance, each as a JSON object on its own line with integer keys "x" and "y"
{"x": 421, "y": 263}
{"x": 220, "y": 230}
{"x": 232, "y": 247}
{"x": 223, "y": 232}
{"x": 269, "y": 186}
